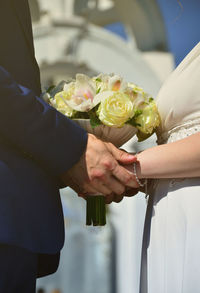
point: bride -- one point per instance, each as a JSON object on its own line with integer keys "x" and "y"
{"x": 171, "y": 242}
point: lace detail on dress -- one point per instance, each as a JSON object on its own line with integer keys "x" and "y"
{"x": 186, "y": 129}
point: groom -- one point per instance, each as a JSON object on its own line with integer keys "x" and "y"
{"x": 40, "y": 151}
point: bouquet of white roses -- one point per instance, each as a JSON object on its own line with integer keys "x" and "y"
{"x": 109, "y": 107}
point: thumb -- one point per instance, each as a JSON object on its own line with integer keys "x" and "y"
{"x": 122, "y": 156}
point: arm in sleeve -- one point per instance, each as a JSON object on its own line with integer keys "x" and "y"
{"x": 38, "y": 129}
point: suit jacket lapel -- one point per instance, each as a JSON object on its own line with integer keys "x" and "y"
{"x": 22, "y": 11}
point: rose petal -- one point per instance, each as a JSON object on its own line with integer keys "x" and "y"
{"x": 102, "y": 96}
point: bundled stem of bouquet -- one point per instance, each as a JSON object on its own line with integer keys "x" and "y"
{"x": 96, "y": 210}
{"x": 110, "y": 108}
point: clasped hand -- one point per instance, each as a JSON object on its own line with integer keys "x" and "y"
{"x": 100, "y": 171}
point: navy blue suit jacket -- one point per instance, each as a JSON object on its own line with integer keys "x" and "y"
{"x": 37, "y": 143}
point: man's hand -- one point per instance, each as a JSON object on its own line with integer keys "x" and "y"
{"x": 99, "y": 171}
{"x": 117, "y": 198}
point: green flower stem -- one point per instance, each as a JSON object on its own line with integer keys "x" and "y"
{"x": 96, "y": 210}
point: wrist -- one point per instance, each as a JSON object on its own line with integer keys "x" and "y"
{"x": 137, "y": 173}
{"x": 138, "y": 166}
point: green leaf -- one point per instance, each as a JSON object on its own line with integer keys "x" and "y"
{"x": 132, "y": 122}
{"x": 94, "y": 121}
{"x": 137, "y": 113}
{"x": 50, "y": 88}
{"x": 81, "y": 115}
{"x": 98, "y": 79}
{"x": 98, "y": 90}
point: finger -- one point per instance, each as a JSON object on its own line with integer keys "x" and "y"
{"x": 90, "y": 189}
{"x": 109, "y": 198}
{"x": 103, "y": 178}
{"x": 131, "y": 192}
{"x": 97, "y": 186}
{"x": 117, "y": 198}
{"x": 124, "y": 176}
{"x": 121, "y": 156}
{"x": 113, "y": 184}
{"x": 101, "y": 187}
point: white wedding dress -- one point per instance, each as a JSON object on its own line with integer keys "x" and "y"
{"x": 171, "y": 244}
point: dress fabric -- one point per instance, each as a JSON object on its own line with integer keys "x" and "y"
{"x": 171, "y": 242}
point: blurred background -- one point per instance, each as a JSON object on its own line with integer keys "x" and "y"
{"x": 143, "y": 41}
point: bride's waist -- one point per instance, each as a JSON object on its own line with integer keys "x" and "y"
{"x": 179, "y": 132}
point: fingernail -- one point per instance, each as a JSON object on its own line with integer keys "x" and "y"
{"x": 131, "y": 156}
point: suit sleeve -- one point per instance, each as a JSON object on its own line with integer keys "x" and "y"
{"x": 39, "y": 130}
